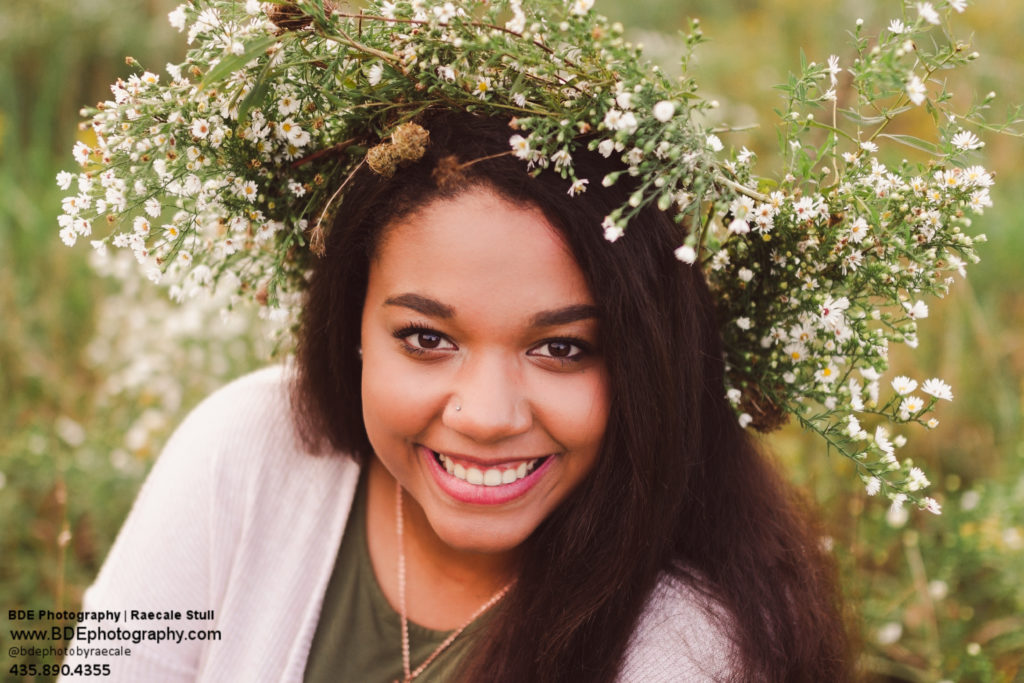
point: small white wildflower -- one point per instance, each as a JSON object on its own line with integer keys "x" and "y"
{"x": 664, "y": 111}
{"x": 746, "y": 274}
{"x": 81, "y": 152}
{"x": 64, "y": 180}
{"x": 578, "y": 186}
{"x": 561, "y": 159}
{"x": 743, "y": 323}
{"x": 827, "y": 374}
{"x": 733, "y": 395}
{"x": 745, "y": 419}
{"x": 520, "y": 147}
{"x": 966, "y": 140}
{"x": 873, "y": 486}
{"x": 882, "y": 440}
{"x": 928, "y": 13}
{"x": 910, "y": 406}
{"x": 624, "y": 100}
{"x": 483, "y": 86}
{"x": 248, "y": 190}
{"x": 581, "y": 7}
{"x": 916, "y": 479}
{"x": 917, "y": 310}
{"x": 375, "y": 74}
{"x": 714, "y": 143}
{"x": 937, "y": 388}
{"x": 739, "y": 227}
{"x": 858, "y": 229}
{"x": 932, "y": 506}
{"x": 916, "y": 90}
{"x": 200, "y": 128}
{"x": 958, "y": 5}
{"x": 896, "y": 26}
{"x": 686, "y": 254}
{"x": 612, "y": 231}
{"x": 903, "y": 385}
{"x": 889, "y": 633}
{"x": 833, "y": 69}
{"x": 628, "y": 122}
{"x": 296, "y": 188}
{"x": 176, "y": 17}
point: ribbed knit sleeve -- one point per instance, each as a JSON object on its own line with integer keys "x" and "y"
{"x": 682, "y": 637}
{"x": 237, "y": 524}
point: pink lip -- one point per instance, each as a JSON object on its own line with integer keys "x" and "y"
{"x": 464, "y": 492}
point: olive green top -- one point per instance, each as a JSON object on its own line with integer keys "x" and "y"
{"x": 359, "y": 635}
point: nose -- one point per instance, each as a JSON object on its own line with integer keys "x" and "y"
{"x": 488, "y": 402}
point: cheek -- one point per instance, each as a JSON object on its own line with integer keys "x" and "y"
{"x": 575, "y": 412}
{"x": 395, "y": 405}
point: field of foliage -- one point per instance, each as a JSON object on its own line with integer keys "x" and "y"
{"x": 91, "y": 387}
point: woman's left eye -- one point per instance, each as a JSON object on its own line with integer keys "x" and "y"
{"x": 559, "y": 349}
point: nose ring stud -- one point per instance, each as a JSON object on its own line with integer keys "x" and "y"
{"x": 458, "y": 408}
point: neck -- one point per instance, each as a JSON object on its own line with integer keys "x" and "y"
{"x": 444, "y": 585}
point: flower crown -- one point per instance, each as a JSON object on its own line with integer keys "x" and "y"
{"x": 228, "y": 174}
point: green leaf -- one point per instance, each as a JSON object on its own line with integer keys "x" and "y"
{"x": 232, "y": 63}
{"x": 916, "y": 143}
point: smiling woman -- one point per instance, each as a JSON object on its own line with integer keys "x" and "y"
{"x": 503, "y": 453}
{"x": 490, "y": 363}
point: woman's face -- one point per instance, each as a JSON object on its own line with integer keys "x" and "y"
{"x": 484, "y": 392}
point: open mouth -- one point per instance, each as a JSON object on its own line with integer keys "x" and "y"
{"x": 487, "y": 476}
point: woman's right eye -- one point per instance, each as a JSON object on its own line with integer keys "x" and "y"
{"x": 419, "y": 340}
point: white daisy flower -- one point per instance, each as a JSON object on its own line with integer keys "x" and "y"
{"x": 686, "y": 254}
{"x": 520, "y": 147}
{"x": 937, "y": 388}
{"x": 904, "y": 385}
{"x": 200, "y": 128}
{"x": 967, "y": 140}
{"x": 578, "y": 186}
{"x": 910, "y": 406}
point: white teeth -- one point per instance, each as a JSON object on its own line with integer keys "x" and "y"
{"x": 491, "y": 476}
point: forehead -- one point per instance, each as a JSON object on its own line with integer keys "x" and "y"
{"x": 476, "y": 253}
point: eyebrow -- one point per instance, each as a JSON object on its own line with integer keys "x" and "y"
{"x": 436, "y": 309}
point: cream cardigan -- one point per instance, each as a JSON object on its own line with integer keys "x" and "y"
{"x": 237, "y": 518}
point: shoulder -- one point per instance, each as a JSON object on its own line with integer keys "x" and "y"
{"x": 253, "y": 411}
{"x": 682, "y": 635}
{"x": 244, "y": 433}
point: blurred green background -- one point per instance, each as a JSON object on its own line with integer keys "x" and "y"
{"x": 90, "y": 389}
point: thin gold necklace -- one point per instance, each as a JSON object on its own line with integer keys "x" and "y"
{"x": 409, "y": 675}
